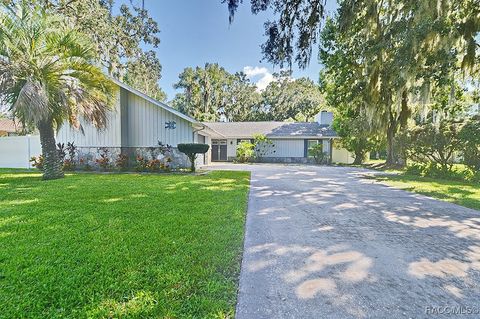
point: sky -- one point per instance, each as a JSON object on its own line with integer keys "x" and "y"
{"x": 194, "y": 32}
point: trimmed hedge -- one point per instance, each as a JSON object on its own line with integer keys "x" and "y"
{"x": 191, "y": 150}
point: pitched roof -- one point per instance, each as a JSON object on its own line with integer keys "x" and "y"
{"x": 270, "y": 129}
{"x": 152, "y": 100}
{"x": 9, "y": 126}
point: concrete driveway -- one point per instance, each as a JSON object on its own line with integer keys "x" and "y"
{"x": 323, "y": 242}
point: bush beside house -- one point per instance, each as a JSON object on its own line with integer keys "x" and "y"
{"x": 318, "y": 154}
{"x": 161, "y": 158}
{"x": 245, "y": 152}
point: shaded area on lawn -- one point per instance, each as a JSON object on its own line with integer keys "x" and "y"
{"x": 121, "y": 245}
{"x": 461, "y": 193}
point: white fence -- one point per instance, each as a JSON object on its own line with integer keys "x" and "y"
{"x": 16, "y": 151}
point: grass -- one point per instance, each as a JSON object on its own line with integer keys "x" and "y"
{"x": 375, "y": 161}
{"x": 461, "y": 193}
{"x": 121, "y": 246}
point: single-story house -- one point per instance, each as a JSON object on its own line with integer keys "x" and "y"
{"x": 290, "y": 140}
{"x": 9, "y": 127}
{"x": 138, "y": 123}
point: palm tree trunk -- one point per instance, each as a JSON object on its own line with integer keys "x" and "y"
{"x": 52, "y": 167}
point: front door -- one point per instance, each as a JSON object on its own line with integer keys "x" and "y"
{"x": 219, "y": 150}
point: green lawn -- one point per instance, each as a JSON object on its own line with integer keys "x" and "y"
{"x": 461, "y": 193}
{"x": 121, "y": 245}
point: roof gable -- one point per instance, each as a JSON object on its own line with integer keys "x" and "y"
{"x": 153, "y": 101}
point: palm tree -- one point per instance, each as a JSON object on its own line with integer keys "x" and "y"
{"x": 48, "y": 76}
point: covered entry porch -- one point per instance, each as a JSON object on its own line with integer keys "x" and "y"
{"x": 219, "y": 150}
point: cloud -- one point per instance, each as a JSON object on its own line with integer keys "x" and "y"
{"x": 251, "y": 71}
{"x": 260, "y": 75}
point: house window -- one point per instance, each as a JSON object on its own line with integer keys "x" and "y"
{"x": 311, "y": 143}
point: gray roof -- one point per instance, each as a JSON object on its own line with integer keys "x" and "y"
{"x": 270, "y": 129}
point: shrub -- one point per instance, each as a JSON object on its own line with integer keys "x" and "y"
{"x": 141, "y": 163}
{"x": 415, "y": 169}
{"x": 166, "y": 164}
{"x": 153, "y": 165}
{"x": 37, "y": 162}
{"x": 318, "y": 154}
{"x": 104, "y": 161}
{"x": 475, "y": 177}
{"x": 61, "y": 151}
{"x": 470, "y": 136}
{"x": 192, "y": 150}
{"x": 429, "y": 143}
{"x": 121, "y": 163}
{"x": 245, "y": 151}
{"x": 84, "y": 164}
{"x": 68, "y": 165}
{"x": 164, "y": 149}
{"x": 436, "y": 171}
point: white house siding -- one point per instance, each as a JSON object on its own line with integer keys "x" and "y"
{"x": 146, "y": 125}
{"x": 208, "y": 155}
{"x": 287, "y": 148}
{"x": 231, "y": 147}
{"x": 134, "y": 122}
{"x": 203, "y": 159}
{"x": 110, "y": 136}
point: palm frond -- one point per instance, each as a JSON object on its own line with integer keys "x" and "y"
{"x": 31, "y": 102}
{"x": 48, "y": 70}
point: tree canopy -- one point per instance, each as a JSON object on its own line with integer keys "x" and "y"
{"x": 206, "y": 92}
{"x": 431, "y": 25}
{"x": 289, "y": 38}
{"x": 394, "y": 56}
{"x": 119, "y": 38}
{"x": 286, "y": 98}
{"x": 212, "y": 94}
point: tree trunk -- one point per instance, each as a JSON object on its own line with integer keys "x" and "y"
{"x": 358, "y": 161}
{"x": 359, "y": 157}
{"x": 192, "y": 162}
{"x": 390, "y": 146}
{"x": 52, "y": 166}
{"x": 405, "y": 114}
